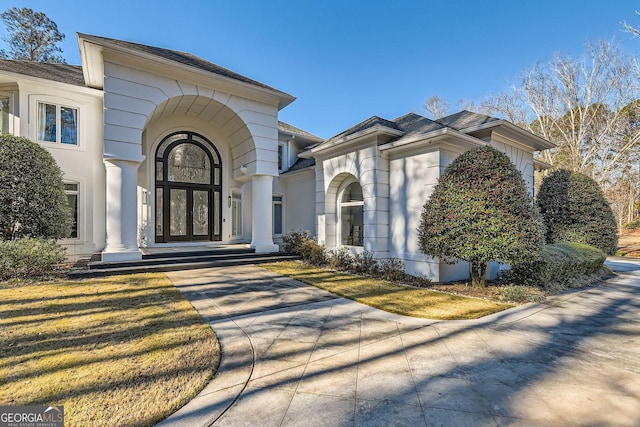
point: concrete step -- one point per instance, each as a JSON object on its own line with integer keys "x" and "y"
{"x": 170, "y": 261}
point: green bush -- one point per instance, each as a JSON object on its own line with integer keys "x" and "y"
{"x": 574, "y": 209}
{"x": 481, "y": 211}
{"x": 365, "y": 263}
{"x": 29, "y": 258}
{"x": 633, "y": 225}
{"x": 313, "y": 253}
{"x": 392, "y": 269}
{"x": 33, "y": 202}
{"x": 559, "y": 265}
{"x": 340, "y": 259}
{"x": 292, "y": 242}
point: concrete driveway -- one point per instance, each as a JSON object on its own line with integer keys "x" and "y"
{"x": 297, "y": 356}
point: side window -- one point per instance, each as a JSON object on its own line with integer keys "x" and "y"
{"x": 277, "y": 215}
{"x": 236, "y": 214}
{"x": 57, "y": 123}
{"x": 351, "y": 211}
{"x": 4, "y": 114}
{"x": 72, "y": 191}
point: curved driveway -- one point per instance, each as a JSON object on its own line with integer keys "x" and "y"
{"x": 295, "y": 355}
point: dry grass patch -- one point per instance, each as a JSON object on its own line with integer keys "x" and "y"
{"x": 390, "y": 297}
{"x": 116, "y": 351}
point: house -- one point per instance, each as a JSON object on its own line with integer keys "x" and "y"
{"x": 160, "y": 148}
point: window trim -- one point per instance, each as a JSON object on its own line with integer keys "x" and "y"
{"x": 340, "y": 204}
{"x": 10, "y": 118}
{"x": 273, "y": 210}
{"x": 59, "y": 102}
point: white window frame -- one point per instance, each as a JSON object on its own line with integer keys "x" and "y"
{"x": 280, "y": 202}
{"x": 59, "y": 102}
{"x": 75, "y": 192}
{"x": 236, "y": 199}
{"x": 340, "y": 204}
{"x": 10, "y": 117}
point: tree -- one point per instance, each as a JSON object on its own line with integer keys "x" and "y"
{"x": 33, "y": 202}
{"x": 436, "y": 107}
{"x": 32, "y": 36}
{"x": 586, "y": 106}
{"x": 574, "y": 210}
{"x": 480, "y": 211}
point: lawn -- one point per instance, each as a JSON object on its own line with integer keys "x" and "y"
{"x": 405, "y": 300}
{"x": 124, "y": 350}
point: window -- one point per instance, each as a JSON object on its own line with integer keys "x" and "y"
{"x": 4, "y": 114}
{"x": 236, "y": 214}
{"x": 71, "y": 189}
{"x": 351, "y": 208}
{"x": 280, "y": 157}
{"x": 277, "y": 215}
{"x": 57, "y": 124}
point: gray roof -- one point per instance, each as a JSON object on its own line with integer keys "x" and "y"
{"x": 301, "y": 164}
{"x": 182, "y": 58}
{"x": 366, "y": 124}
{"x": 414, "y": 124}
{"x": 286, "y": 127}
{"x": 63, "y": 73}
{"x": 465, "y": 119}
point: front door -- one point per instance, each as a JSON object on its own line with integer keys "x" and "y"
{"x": 188, "y": 189}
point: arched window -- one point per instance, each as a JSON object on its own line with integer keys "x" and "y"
{"x": 351, "y": 208}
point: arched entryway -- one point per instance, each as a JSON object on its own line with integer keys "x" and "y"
{"x": 188, "y": 182}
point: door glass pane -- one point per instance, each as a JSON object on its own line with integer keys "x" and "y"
{"x": 216, "y": 213}
{"x": 352, "y": 225}
{"x": 159, "y": 171}
{"x": 46, "y": 122}
{"x": 69, "y": 125}
{"x": 216, "y": 176}
{"x": 178, "y": 212}
{"x": 189, "y": 163}
{"x": 200, "y": 213}
{"x": 159, "y": 206}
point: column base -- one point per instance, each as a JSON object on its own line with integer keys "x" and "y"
{"x": 130, "y": 255}
{"x": 265, "y": 248}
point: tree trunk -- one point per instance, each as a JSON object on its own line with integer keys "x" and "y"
{"x": 478, "y": 273}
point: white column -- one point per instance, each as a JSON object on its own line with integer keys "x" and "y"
{"x": 262, "y": 214}
{"x": 122, "y": 213}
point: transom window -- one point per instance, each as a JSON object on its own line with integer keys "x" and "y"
{"x": 57, "y": 123}
{"x": 351, "y": 209}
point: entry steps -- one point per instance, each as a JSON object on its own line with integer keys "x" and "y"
{"x": 174, "y": 261}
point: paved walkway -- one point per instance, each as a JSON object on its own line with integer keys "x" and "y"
{"x": 294, "y": 355}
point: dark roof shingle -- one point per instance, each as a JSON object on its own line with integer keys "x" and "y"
{"x": 63, "y": 73}
{"x": 286, "y": 127}
{"x": 465, "y": 119}
{"x": 182, "y": 58}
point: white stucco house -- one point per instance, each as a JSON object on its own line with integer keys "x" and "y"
{"x": 160, "y": 148}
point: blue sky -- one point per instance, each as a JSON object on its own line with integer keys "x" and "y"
{"x": 348, "y": 60}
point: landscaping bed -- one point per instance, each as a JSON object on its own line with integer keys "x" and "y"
{"x": 122, "y": 350}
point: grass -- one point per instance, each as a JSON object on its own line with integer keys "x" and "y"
{"x": 123, "y": 350}
{"x": 405, "y": 300}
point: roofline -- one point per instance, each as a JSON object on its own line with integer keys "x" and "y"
{"x": 373, "y": 130}
{"x": 94, "y": 77}
{"x": 434, "y": 134}
{"x": 84, "y": 89}
{"x": 541, "y": 143}
{"x": 308, "y": 136}
{"x": 540, "y": 165}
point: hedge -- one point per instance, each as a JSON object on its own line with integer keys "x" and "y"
{"x": 559, "y": 264}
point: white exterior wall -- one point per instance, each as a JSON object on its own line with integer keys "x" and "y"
{"x": 81, "y": 164}
{"x": 372, "y": 172}
{"x": 298, "y": 189}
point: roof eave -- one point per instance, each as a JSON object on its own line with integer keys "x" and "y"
{"x": 437, "y": 135}
{"x": 538, "y": 143}
{"x": 377, "y": 130}
{"x": 91, "y": 53}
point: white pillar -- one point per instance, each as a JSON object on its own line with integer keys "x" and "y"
{"x": 262, "y": 214}
{"x": 122, "y": 212}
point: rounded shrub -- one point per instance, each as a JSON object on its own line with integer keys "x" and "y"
{"x": 29, "y": 258}
{"x": 480, "y": 211}
{"x": 32, "y": 197}
{"x": 558, "y": 265}
{"x": 574, "y": 209}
